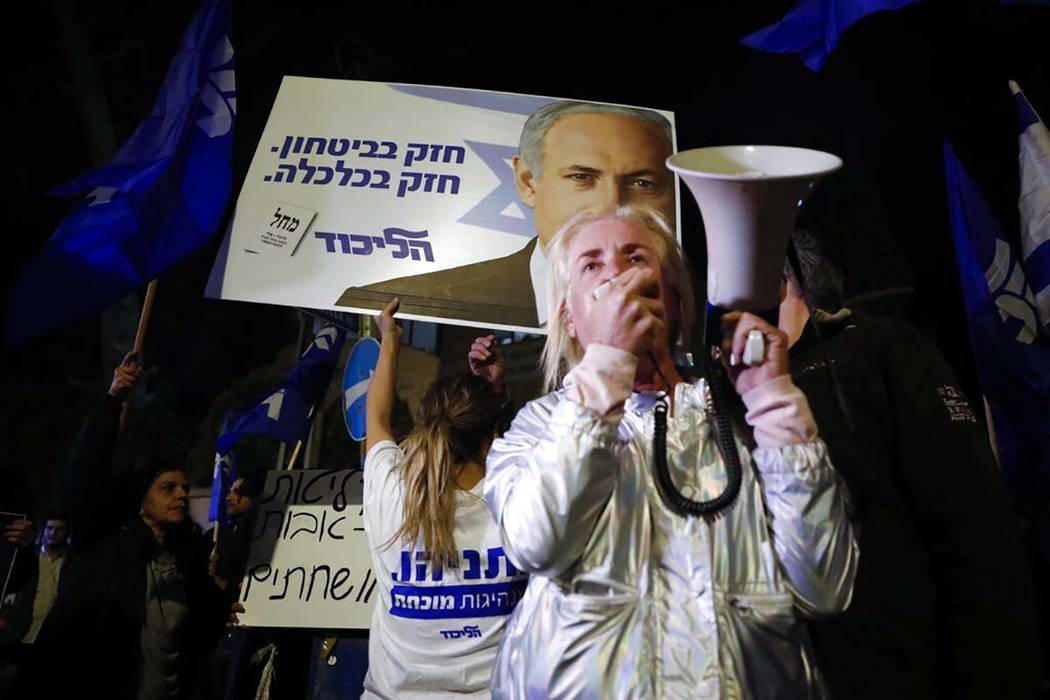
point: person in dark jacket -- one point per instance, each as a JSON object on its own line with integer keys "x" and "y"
{"x": 33, "y": 578}
{"x": 33, "y": 600}
{"x": 227, "y": 564}
{"x": 137, "y": 613}
{"x": 229, "y": 558}
{"x": 943, "y": 603}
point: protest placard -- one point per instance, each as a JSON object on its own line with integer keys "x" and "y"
{"x": 309, "y": 563}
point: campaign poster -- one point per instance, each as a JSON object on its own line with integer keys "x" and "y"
{"x": 445, "y": 197}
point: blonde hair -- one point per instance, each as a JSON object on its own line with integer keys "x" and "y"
{"x": 562, "y": 352}
{"x": 456, "y": 422}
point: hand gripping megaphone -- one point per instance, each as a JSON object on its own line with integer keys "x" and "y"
{"x": 749, "y": 197}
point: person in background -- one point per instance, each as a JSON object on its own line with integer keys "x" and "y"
{"x": 227, "y": 565}
{"x": 445, "y": 586}
{"x": 39, "y": 595}
{"x": 943, "y": 602}
{"x": 33, "y": 601}
{"x": 136, "y": 615}
{"x": 230, "y": 557}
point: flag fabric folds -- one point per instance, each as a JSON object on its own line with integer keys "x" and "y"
{"x": 812, "y": 27}
{"x": 1034, "y": 202}
{"x": 221, "y": 482}
{"x": 159, "y": 199}
{"x": 285, "y": 414}
{"x": 1011, "y": 353}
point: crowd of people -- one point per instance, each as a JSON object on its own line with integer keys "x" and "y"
{"x": 823, "y": 520}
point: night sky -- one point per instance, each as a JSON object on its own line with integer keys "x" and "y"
{"x": 80, "y": 77}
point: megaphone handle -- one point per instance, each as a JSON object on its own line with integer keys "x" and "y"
{"x": 754, "y": 349}
{"x": 713, "y": 328}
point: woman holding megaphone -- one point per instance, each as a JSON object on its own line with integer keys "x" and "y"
{"x": 635, "y": 593}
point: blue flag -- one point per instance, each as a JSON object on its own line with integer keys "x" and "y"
{"x": 221, "y": 482}
{"x": 1012, "y": 356}
{"x": 158, "y": 200}
{"x": 1034, "y": 203}
{"x": 285, "y": 414}
{"x": 812, "y": 27}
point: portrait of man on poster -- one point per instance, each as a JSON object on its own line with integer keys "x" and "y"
{"x": 571, "y": 156}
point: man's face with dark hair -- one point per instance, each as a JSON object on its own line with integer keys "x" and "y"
{"x": 596, "y": 160}
{"x": 236, "y": 502}
{"x": 56, "y": 532}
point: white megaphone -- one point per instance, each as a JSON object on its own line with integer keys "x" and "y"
{"x": 749, "y": 197}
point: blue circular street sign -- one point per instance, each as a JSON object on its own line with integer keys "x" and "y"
{"x": 359, "y": 368}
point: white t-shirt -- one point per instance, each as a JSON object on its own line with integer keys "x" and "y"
{"x": 433, "y": 631}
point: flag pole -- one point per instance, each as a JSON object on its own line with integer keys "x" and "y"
{"x": 213, "y": 555}
{"x": 301, "y": 338}
{"x": 299, "y": 442}
{"x": 147, "y": 309}
{"x": 140, "y": 337}
{"x": 295, "y": 454}
{"x": 366, "y": 328}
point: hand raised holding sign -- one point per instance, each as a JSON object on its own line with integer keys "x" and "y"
{"x": 486, "y": 361}
{"x": 385, "y": 321}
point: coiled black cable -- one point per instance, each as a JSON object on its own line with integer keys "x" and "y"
{"x": 675, "y": 500}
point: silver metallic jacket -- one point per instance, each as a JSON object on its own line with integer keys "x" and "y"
{"x": 628, "y": 599}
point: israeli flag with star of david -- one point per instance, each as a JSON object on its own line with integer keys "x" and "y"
{"x": 285, "y": 414}
{"x": 222, "y": 478}
{"x": 160, "y": 198}
{"x": 1011, "y": 351}
{"x": 1034, "y": 203}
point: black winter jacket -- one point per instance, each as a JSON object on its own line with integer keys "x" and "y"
{"x": 91, "y": 640}
{"x": 943, "y": 601}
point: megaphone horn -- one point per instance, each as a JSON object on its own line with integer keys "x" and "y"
{"x": 749, "y": 197}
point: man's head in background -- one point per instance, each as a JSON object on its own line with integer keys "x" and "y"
{"x": 822, "y": 285}
{"x": 576, "y": 155}
{"x": 56, "y": 533}
{"x": 242, "y": 491}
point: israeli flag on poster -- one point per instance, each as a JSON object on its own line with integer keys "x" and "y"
{"x": 359, "y": 369}
{"x": 1034, "y": 203}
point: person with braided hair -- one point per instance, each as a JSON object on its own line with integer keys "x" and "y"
{"x": 445, "y": 585}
